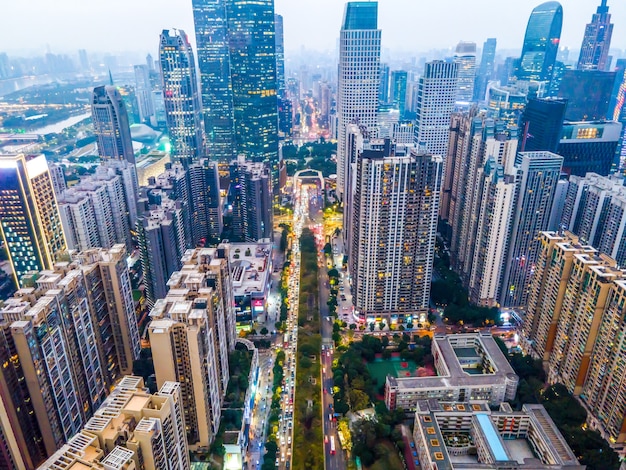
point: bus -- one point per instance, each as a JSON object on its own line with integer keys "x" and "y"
{"x": 332, "y": 445}
{"x": 286, "y": 340}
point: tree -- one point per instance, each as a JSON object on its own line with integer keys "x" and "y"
{"x": 353, "y": 326}
{"x": 381, "y": 325}
{"x": 372, "y": 327}
{"x": 409, "y": 325}
{"x": 264, "y": 331}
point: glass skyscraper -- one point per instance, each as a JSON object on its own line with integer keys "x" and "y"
{"x": 214, "y": 64}
{"x": 237, "y": 58}
{"x": 182, "y": 99}
{"x": 111, "y": 125}
{"x": 594, "y": 52}
{"x": 485, "y": 69}
{"x": 541, "y": 43}
{"x": 359, "y": 78}
{"x": 280, "y": 54}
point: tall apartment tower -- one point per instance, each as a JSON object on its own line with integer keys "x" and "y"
{"x": 465, "y": 58}
{"x": 132, "y": 429}
{"x": 280, "y": 54}
{"x": 538, "y": 174}
{"x": 485, "y": 69}
{"x": 29, "y": 217}
{"x": 393, "y": 240}
{"x": 183, "y": 110}
{"x": 143, "y": 92}
{"x": 251, "y": 195}
{"x": 594, "y": 51}
{"x": 189, "y": 329}
{"x": 436, "y": 95}
{"x": 162, "y": 236}
{"x": 204, "y": 191}
{"x": 96, "y": 211}
{"x": 482, "y": 197}
{"x": 541, "y": 43}
{"x": 111, "y": 125}
{"x": 359, "y": 77}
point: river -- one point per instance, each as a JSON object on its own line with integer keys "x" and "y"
{"x": 59, "y": 126}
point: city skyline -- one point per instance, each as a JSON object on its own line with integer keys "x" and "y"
{"x": 398, "y": 29}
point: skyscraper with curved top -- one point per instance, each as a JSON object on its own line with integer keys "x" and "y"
{"x": 541, "y": 43}
{"x": 594, "y": 51}
{"x": 111, "y": 125}
{"x": 181, "y": 96}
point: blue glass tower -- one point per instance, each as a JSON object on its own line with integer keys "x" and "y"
{"x": 541, "y": 43}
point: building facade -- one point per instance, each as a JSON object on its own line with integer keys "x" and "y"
{"x": 465, "y": 58}
{"x": 594, "y": 51}
{"x": 111, "y": 125}
{"x": 394, "y": 220}
{"x": 29, "y": 217}
{"x": 181, "y": 96}
{"x": 359, "y": 77}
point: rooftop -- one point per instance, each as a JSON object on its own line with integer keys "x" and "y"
{"x": 250, "y": 266}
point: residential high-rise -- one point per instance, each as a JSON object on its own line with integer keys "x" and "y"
{"x": 143, "y": 92}
{"x": 465, "y": 58}
{"x": 538, "y": 174}
{"x": 111, "y": 125}
{"x": 395, "y": 208}
{"x": 482, "y": 197}
{"x": 29, "y": 217}
{"x": 280, "y": 55}
{"x": 541, "y": 124}
{"x": 188, "y": 328}
{"x": 212, "y": 40}
{"x": 204, "y": 192}
{"x": 485, "y": 69}
{"x": 132, "y": 429}
{"x": 252, "y": 47}
{"x": 435, "y": 103}
{"x": 251, "y": 198}
{"x": 541, "y": 43}
{"x": 595, "y": 211}
{"x": 162, "y": 235}
{"x": 594, "y": 51}
{"x": 383, "y": 89}
{"x": 183, "y": 110}
{"x": 359, "y": 77}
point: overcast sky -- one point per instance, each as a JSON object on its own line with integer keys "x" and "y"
{"x": 420, "y": 25}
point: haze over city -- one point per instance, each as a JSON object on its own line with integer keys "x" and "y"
{"x": 407, "y": 25}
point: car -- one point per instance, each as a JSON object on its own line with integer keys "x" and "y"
{"x": 325, "y": 439}
{"x": 414, "y": 453}
{"x": 412, "y": 444}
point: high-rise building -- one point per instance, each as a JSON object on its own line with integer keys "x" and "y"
{"x": 57, "y": 174}
{"x": 95, "y": 212}
{"x": 465, "y": 58}
{"x": 251, "y": 198}
{"x": 435, "y": 103}
{"x": 111, "y": 125}
{"x": 594, "y": 51}
{"x": 394, "y": 221}
{"x": 131, "y": 430}
{"x": 204, "y": 192}
{"x": 398, "y": 90}
{"x": 143, "y": 92}
{"x": 506, "y": 103}
{"x": 481, "y": 196}
{"x": 253, "y": 80}
{"x": 280, "y": 55}
{"x": 541, "y": 124}
{"x": 538, "y": 174}
{"x": 588, "y": 94}
{"x": 485, "y": 69}
{"x": 590, "y": 147}
{"x": 541, "y": 43}
{"x": 188, "y": 328}
{"x": 162, "y": 234}
{"x": 212, "y": 40}
{"x": 29, "y": 217}
{"x": 359, "y": 76}
{"x": 183, "y": 111}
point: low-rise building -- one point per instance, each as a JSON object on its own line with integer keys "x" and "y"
{"x": 251, "y": 273}
{"x": 469, "y": 367}
{"x": 456, "y": 435}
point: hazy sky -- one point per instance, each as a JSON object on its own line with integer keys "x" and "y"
{"x": 420, "y": 25}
